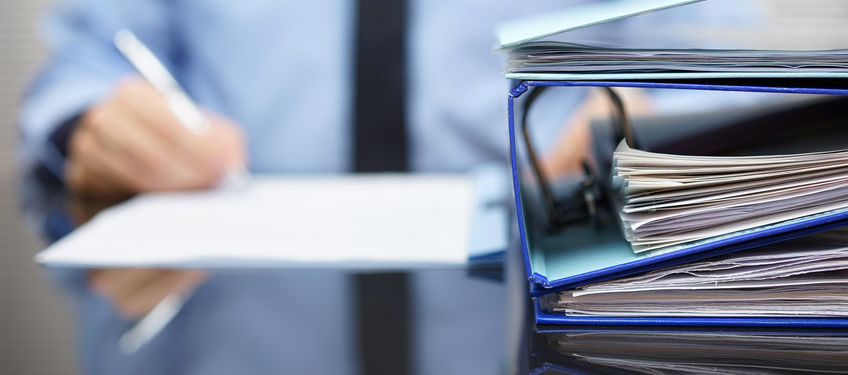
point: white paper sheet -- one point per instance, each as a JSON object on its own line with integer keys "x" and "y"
{"x": 372, "y": 222}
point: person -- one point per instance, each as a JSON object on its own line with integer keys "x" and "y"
{"x": 276, "y": 81}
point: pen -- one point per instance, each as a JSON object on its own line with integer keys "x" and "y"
{"x": 177, "y": 100}
{"x": 151, "y": 324}
{"x": 193, "y": 119}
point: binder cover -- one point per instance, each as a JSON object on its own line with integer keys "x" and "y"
{"x": 271, "y": 223}
{"x": 578, "y": 17}
{"x": 555, "y": 263}
{"x": 538, "y": 27}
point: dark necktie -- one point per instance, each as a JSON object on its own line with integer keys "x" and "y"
{"x": 382, "y": 313}
{"x": 380, "y": 140}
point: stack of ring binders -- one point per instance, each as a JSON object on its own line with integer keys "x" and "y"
{"x": 571, "y": 240}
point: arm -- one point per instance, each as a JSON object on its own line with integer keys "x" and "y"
{"x": 81, "y": 70}
{"x": 91, "y": 128}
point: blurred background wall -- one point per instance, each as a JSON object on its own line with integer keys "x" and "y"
{"x": 36, "y": 335}
{"x": 35, "y": 330}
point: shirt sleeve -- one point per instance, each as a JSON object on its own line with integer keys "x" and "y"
{"x": 82, "y": 68}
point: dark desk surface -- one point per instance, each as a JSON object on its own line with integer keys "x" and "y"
{"x": 480, "y": 322}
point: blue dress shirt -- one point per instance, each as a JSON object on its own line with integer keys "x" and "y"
{"x": 282, "y": 70}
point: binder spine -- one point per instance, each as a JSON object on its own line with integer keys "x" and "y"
{"x": 516, "y": 190}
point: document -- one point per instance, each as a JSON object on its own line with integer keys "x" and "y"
{"x": 353, "y": 221}
{"x": 674, "y": 200}
{"x": 804, "y": 277}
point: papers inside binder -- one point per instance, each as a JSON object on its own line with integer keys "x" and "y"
{"x": 671, "y": 201}
{"x": 804, "y": 277}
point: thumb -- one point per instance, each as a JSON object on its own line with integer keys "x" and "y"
{"x": 229, "y": 141}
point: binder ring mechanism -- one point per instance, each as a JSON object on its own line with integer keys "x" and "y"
{"x": 586, "y": 202}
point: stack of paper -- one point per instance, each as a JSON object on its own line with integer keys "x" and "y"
{"x": 806, "y": 277}
{"x": 561, "y": 57}
{"x": 676, "y": 200}
{"x": 552, "y": 46}
{"x": 706, "y": 352}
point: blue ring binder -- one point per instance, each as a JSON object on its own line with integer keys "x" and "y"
{"x": 541, "y": 284}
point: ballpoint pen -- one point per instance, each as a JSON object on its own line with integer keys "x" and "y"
{"x": 177, "y": 100}
{"x": 193, "y": 119}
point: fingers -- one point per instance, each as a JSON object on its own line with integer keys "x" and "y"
{"x": 134, "y": 292}
{"x": 132, "y": 143}
{"x": 107, "y": 158}
{"x": 230, "y": 141}
{"x": 141, "y": 159}
{"x": 145, "y": 105}
{"x": 85, "y": 173}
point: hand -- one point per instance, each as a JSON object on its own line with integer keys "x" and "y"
{"x": 136, "y": 291}
{"x": 82, "y": 208}
{"x": 132, "y": 143}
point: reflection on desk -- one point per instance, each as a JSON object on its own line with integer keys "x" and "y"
{"x": 297, "y": 321}
{"x": 695, "y": 351}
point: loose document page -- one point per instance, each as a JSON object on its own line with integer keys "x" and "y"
{"x": 381, "y": 221}
{"x": 804, "y": 277}
{"x": 673, "y": 200}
